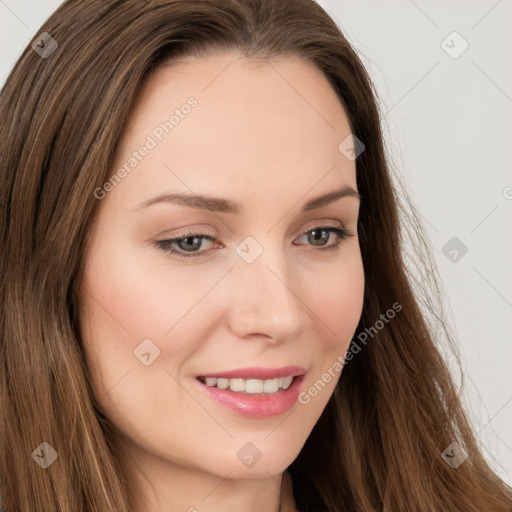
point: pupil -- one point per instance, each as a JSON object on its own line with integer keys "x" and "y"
{"x": 316, "y": 232}
{"x": 188, "y": 241}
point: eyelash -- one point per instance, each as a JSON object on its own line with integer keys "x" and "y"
{"x": 166, "y": 245}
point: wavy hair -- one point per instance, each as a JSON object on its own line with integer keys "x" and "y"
{"x": 378, "y": 444}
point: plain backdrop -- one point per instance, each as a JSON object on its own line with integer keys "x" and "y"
{"x": 443, "y": 75}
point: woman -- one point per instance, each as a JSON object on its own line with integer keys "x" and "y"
{"x": 205, "y": 303}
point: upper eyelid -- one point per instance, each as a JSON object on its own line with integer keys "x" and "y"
{"x": 316, "y": 224}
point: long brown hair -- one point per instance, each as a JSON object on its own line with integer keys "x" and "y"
{"x": 378, "y": 445}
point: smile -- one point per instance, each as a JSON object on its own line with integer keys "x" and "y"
{"x": 249, "y": 386}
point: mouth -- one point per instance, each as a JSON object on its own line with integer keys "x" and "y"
{"x": 254, "y": 398}
{"x": 255, "y": 380}
{"x": 249, "y": 386}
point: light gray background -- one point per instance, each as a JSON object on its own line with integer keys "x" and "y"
{"x": 448, "y": 127}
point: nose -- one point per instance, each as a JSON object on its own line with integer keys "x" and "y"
{"x": 267, "y": 299}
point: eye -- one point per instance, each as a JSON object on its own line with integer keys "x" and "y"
{"x": 188, "y": 244}
{"x": 322, "y": 233}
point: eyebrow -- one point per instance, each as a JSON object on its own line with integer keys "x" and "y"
{"x": 217, "y": 204}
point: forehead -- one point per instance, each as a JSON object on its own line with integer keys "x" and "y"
{"x": 254, "y": 126}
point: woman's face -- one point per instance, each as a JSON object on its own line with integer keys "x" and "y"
{"x": 266, "y": 285}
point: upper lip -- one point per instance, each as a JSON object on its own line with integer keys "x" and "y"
{"x": 258, "y": 372}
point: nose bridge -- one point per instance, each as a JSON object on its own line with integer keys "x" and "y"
{"x": 265, "y": 300}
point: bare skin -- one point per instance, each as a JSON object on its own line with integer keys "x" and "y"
{"x": 265, "y": 135}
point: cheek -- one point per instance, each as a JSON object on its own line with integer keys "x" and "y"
{"x": 126, "y": 302}
{"x": 337, "y": 302}
{"x": 128, "y": 298}
{"x": 137, "y": 297}
{"x": 337, "y": 311}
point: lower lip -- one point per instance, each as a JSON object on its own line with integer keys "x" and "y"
{"x": 257, "y": 405}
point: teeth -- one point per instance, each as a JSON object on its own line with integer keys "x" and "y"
{"x": 255, "y": 386}
{"x": 221, "y": 383}
{"x": 250, "y": 386}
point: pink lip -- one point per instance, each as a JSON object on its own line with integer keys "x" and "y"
{"x": 256, "y": 405}
{"x": 258, "y": 372}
